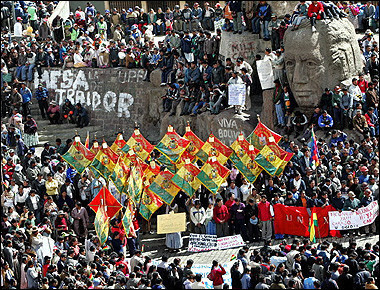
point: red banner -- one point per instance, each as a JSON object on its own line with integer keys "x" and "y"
{"x": 294, "y": 220}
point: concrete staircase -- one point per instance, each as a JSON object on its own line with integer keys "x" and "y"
{"x": 50, "y": 132}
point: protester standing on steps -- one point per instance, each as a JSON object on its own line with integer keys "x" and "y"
{"x": 30, "y": 132}
{"x": 42, "y": 96}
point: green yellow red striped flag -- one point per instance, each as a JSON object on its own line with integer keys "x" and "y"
{"x": 135, "y": 181}
{"x": 262, "y": 135}
{"x": 172, "y": 145}
{"x": 214, "y": 147}
{"x": 79, "y": 156}
{"x": 101, "y": 224}
{"x": 118, "y": 145}
{"x": 139, "y": 144}
{"x": 128, "y": 218}
{"x": 104, "y": 161}
{"x": 194, "y": 146}
{"x": 120, "y": 173}
{"x": 313, "y": 224}
{"x": 243, "y": 158}
{"x": 268, "y": 160}
{"x": 95, "y": 147}
{"x": 282, "y": 154}
{"x": 213, "y": 174}
{"x": 163, "y": 186}
{"x": 186, "y": 178}
{"x": 171, "y": 166}
{"x": 150, "y": 202}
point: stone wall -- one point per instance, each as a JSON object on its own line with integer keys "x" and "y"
{"x": 116, "y": 98}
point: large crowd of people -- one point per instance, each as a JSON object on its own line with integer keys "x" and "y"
{"x": 43, "y": 196}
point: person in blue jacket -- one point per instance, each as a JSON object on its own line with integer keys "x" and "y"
{"x": 26, "y": 98}
{"x": 325, "y": 122}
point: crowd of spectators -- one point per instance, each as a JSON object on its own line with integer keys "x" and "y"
{"x": 43, "y": 196}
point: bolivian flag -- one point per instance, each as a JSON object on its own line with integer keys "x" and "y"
{"x": 118, "y": 144}
{"x": 282, "y": 154}
{"x": 135, "y": 181}
{"x": 262, "y": 135}
{"x": 120, "y": 173}
{"x": 285, "y": 160}
{"x": 79, "y": 156}
{"x": 164, "y": 187}
{"x": 105, "y": 161}
{"x": 150, "y": 203}
{"x": 312, "y": 225}
{"x": 213, "y": 174}
{"x": 214, "y": 147}
{"x": 171, "y": 166}
{"x": 243, "y": 158}
{"x": 151, "y": 172}
{"x": 268, "y": 160}
{"x": 95, "y": 147}
{"x": 194, "y": 146}
{"x": 139, "y": 144}
{"x": 101, "y": 224}
{"x": 172, "y": 145}
{"x": 186, "y": 178}
{"x": 128, "y": 218}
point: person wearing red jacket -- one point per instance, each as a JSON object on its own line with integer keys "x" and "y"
{"x": 216, "y": 275}
{"x": 315, "y": 12}
{"x": 221, "y": 217}
{"x": 266, "y": 216}
{"x": 229, "y": 203}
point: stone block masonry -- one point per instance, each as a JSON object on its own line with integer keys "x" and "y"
{"x": 116, "y": 98}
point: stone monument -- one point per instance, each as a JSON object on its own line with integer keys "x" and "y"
{"x": 322, "y": 59}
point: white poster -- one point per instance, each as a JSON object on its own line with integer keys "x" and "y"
{"x": 230, "y": 242}
{"x": 236, "y": 94}
{"x": 265, "y": 72}
{"x": 62, "y": 9}
{"x": 199, "y": 242}
{"x": 347, "y": 220}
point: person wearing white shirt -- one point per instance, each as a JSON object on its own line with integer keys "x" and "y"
{"x": 18, "y": 28}
{"x": 355, "y": 92}
{"x": 240, "y": 63}
{"x": 198, "y": 217}
{"x": 198, "y": 284}
{"x": 78, "y": 59}
{"x": 245, "y": 190}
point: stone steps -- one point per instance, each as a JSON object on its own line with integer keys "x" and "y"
{"x": 50, "y": 132}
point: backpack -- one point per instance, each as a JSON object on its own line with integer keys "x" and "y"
{"x": 211, "y": 276}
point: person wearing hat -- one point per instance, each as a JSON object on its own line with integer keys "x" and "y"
{"x": 186, "y": 16}
{"x": 17, "y": 28}
{"x": 273, "y": 27}
{"x": 360, "y": 123}
{"x": 42, "y": 96}
{"x": 53, "y": 113}
{"x": 208, "y": 17}
{"x": 364, "y": 177}
{"x": 61, "y": 223}
{"x": 114, "y": 20}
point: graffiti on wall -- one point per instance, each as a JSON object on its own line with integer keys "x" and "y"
{"x": 228, "y": 130}
{"x": 88, "y": 87}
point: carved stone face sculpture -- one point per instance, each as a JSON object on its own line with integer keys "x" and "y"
{"x": 325, "y": 58}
